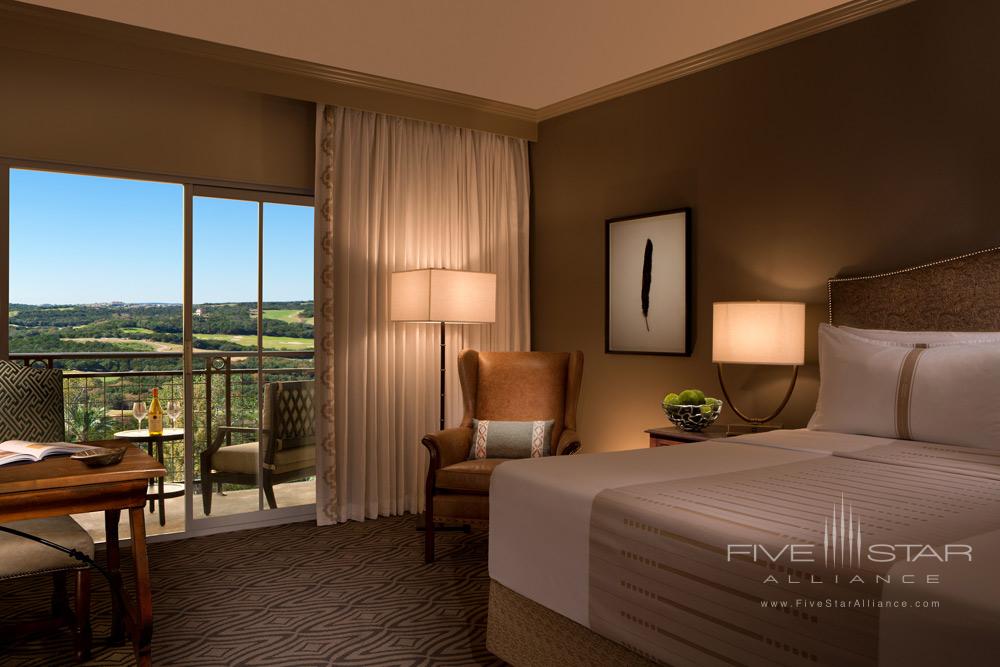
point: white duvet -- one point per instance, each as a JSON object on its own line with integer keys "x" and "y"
{"x": 540, "y": 508}
{"x": 540, "y": 512}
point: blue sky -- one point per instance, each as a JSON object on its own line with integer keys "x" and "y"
{"x": 86, "y": 239}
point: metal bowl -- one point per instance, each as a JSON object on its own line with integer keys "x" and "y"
{"x": 691, "y": 417}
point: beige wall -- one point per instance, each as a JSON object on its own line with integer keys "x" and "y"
{"x": 62, "y": 110}
{"x": 869, "y": 147}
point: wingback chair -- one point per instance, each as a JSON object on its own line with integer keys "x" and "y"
{"x": 289, "y": 450}
{"x": 503, "y": 386}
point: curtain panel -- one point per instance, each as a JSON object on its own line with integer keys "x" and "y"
{"x": 394, "y": 194}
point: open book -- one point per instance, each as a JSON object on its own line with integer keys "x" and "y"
{"x": 13, "y": 451}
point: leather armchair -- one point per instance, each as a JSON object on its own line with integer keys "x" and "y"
{"x": 502, "y": 386}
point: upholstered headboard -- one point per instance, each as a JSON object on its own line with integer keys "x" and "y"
{"x": 957, "y": 294}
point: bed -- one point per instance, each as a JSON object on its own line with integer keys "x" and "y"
{"x": 757, "y": 549}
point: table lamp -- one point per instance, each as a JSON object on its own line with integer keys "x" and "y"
{"x": 758, "y": 332}
{"x": 443, "y": 296}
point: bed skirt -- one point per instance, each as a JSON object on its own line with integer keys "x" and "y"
{"x": 526, "y": 634}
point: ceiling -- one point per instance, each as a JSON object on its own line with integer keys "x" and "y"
{"x": 531, "y": 53}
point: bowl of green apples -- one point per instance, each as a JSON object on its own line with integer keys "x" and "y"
{"x": 691, "y": 410}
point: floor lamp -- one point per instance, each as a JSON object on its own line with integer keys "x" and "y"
{"x": 443, "y": 296}
{"x": 759, "y": 332}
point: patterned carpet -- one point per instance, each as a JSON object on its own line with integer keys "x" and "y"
{"x": 353, "y": 594}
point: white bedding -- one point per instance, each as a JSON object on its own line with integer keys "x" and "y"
{"x": 804, "y": 440}
{"x": 540, "y": 531}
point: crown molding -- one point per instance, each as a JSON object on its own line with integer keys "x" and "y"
{"x": 132, "y": 47}
{"x": 142, "y": 49}
{"x": 783, "y": 34}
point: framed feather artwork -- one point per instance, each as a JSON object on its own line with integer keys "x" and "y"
{"x": 648, "y": 284}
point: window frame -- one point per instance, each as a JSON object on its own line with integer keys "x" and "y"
{"x": 193, "y": 187}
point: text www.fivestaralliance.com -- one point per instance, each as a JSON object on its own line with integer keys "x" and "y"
{"x": 860, "y": 603}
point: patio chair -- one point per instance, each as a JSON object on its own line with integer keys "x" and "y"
{"x": 288, "y": 451}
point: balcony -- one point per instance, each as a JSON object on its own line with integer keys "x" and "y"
{"x": 100, "y": 388}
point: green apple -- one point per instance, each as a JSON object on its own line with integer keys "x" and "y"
{"x": 706, "y": 409}
{"x": 712, "y": 401}
{"x": 692, "y": 397}
{"x": 671, "y": 399}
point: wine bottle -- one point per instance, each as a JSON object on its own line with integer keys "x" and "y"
{"x": 155, "y": 415}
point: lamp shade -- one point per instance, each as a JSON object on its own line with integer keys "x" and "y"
{"x": 759, "y": 332}
{"x": 441, "y": 295}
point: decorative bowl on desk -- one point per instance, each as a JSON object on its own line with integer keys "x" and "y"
{"x": 691, "y": 410}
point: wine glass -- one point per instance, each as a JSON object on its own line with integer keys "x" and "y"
{"x": 139, "y": 412}
{"x": 173, "y": 411}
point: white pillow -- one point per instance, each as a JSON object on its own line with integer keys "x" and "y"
{"x": 928, "y": 337}
{"x": 944, "y": 393}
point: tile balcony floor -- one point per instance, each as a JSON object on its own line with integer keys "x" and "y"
{"x": 233, "y": 502}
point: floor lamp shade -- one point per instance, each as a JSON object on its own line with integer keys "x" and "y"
{"x": 441, "y": 295}
{"x": 758, "y": 332}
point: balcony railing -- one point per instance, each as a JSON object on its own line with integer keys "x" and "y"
{"x": 97, "y": 403}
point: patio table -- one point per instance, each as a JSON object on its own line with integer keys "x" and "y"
{"x": 155, "y": 443}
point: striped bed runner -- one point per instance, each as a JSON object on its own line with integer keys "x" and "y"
{"x": 701, "y": 571}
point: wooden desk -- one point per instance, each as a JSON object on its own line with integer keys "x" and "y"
{"x": 60, "y": 485}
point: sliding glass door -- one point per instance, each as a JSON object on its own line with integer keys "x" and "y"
{"x": 129, "y": 283}
{"x": 225, "y": 266}
{"x": 95, "y": 282}
{"x": 288, "y": 352}
{"x": 248, "y": 354}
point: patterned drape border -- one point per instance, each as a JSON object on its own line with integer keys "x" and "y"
{"x": 473, "y": 198}
{"x": 327, "y": 505}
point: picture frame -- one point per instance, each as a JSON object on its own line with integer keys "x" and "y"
{"x": 647, "y": 284}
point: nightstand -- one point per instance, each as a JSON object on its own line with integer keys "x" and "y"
{"x": 666, "y": 436}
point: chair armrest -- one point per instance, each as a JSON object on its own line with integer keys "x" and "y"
{"x": 569, "y": 443}
{"x": 448, "y": 446}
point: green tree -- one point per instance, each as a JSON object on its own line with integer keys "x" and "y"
{"x": 86, "y": 423}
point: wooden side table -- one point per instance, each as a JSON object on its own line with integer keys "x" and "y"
{"x": 666, "y": 436}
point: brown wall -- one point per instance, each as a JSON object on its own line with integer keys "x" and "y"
{"x": 62, "y": 110}
{"x": 873, "y": 146}
{"x": 74, "y": 37}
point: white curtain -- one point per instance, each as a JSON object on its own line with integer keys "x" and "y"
{"x": 394, "y": 194}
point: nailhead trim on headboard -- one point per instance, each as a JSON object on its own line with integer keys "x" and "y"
{"x": 887, "y": 274}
